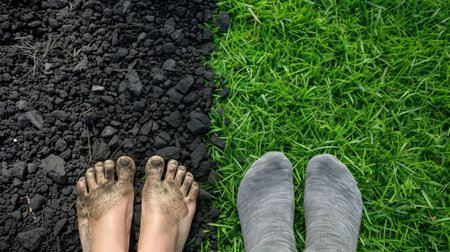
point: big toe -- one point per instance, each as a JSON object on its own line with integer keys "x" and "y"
{"x": 273, "y": 170}
{"x": 326, "y": 168}
{"x": 126, "y": 168}
{"x": 154, "y": 168}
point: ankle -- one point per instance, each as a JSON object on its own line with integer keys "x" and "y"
{"x": 109, "y": 245}
{"x": 157, "y": 235}
{"x": 110, "y": 241}
{"x": 110, "y": 235}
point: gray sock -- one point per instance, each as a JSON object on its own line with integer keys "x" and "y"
{"x": 332, "y": 206}
{"x": 266, "y": 205}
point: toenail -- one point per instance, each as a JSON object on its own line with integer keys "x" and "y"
{"x": 124, "y": 162}
{"x": 156, "y": 162}
{"x": 173, "y": 162}
{"x": 181, "y": 168}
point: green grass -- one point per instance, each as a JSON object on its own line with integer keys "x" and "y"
{"x": 365, "y": 81}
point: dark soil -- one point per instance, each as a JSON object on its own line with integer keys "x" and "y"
{"x": 84, "y": 81}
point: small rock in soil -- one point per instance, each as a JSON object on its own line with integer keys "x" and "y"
{"x": 54, "y": 167}
{"x": 135, "y": 130}
{"x": 100, "y": 151}
{"x": 169, "y": 26}
{"x": 61, "y": 145}
{"x": 149, "y": 127}
{"x": 162, "y": 139}
{"x": 59, "y": 226}
{"x": 22, "y": 105}
{"x": 122, "y": 7}
{"x": 17, "y": 215}
{"x": 14, "y": 200}
{"x": 97, "y": 88}
{"x": 174, "y": 119}
{"x": 89, "y": 118}
{"x": 169, "y": 48}
{"x": 204, "y": 195}
{"x": 217, "y": 142}
{"x": 31, "y": 168}
{"x": 35, "y": 118}
{"x": 19, "y": 170}
{"x": 198, "y": 123}
{"x": 47, "y": 68}
{"x": 158, "y": 75}
{"x": 60, "y": 115}
{"x": 198, "y": 155}
{"x": 190, "y": 98}
{"x": 185, "y": 84}
{"x": 169, "y": 65}
{"x": 132, "y": 83}
{"x": 66, "y": 190}
{"x": 82, "y": 65}
{"x": 174, "y": 95}
{"x": 108, "y": 131}
{"x": 32, "y": 239}
{"x": 115, "y": 142}
{"x": 203, "y": 169}
{"x": 36, "y": 202}
{"x": 171, "y": 152}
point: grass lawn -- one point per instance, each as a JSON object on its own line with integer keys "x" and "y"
{"x": 365, "y": 81}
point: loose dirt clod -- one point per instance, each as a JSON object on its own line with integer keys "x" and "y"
{"x": 82, "y": 81}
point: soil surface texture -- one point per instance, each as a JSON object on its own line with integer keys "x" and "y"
{"x": 86, "y": 81}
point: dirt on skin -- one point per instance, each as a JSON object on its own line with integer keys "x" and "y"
{"x": 99, "y": 192}
{"x": 87, "y": 81}
{"x": 171, "y": 195}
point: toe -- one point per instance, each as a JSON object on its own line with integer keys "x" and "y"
{"x": 82, "y": 189}
{"x": 154, "y": 167}
{"x": 193, "y": 193}
{"x": 82, "y": 193}
{"x": 126, "y": 169}
{"x": 171, "y": 170}
{"x": 187, "y": 183}
{"x": 99, "y": 173}
{"x": 179, "y": 177}
{"x": 90, "y": 177}
{"x": 109, "y": 170}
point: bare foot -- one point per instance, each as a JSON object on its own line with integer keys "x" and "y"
{"x": 168, "y": 206}
{"x": 105, "y": 205}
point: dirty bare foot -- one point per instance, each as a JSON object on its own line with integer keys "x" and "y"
{"x": 168, "y": 206}
{"x": 105, "y": 206}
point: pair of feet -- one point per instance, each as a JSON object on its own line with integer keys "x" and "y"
{"x": 332, "y": 205}
{"x": 105, "y": 206}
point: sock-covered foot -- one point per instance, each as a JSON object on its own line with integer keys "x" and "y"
{"x": 105, "y": 205}
{"x": 332, "y": 206}
{"x": 168, "y": 206}
{"x": 265, "y": 204}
